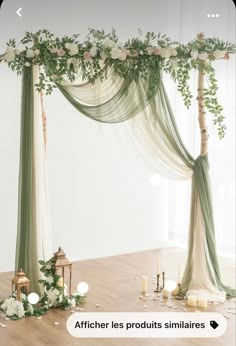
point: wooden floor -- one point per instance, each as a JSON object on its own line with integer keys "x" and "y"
{"x": 114, "y": 286}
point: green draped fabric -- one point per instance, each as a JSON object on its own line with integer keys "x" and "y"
{"x": 129, "y": 101}
{"x": 26, "y": 244}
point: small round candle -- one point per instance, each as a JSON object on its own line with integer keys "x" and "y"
{"x": 202, "y": 302}
{"x": 192, "y": 301}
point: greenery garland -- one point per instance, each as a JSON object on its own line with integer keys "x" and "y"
{"x": 142, "y": 57}
{"x": 54, "y": 296}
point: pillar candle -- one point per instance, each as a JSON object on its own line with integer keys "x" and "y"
{"x": 158, "y": 264}
{"x": 144, "y": 284}
{"x": 202, "y": 302}
{"x": 192, "y": 301}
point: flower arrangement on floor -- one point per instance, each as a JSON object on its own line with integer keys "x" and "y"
{"x": 142, "y": 57}
{"x": 54, "y": 296}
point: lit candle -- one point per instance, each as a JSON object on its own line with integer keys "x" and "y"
{"x": 202, "y": 302}
{"x": 60, "y": 282}
{"x": 158, "y": 264}
{"x": 192, "y": 301}
{"x": 144, "y": 284}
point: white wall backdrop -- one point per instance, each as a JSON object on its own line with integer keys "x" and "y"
{"x": 102, "y": 202}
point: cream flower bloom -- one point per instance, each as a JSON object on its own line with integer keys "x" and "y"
{"x": 74, "y": 49}
{"x": 165, "y": 52}
{"x": 27, "y": 64}
{"x": 108, "y": 43}
{"x": 219, "y": 54}
{"x": 203, "y": 56}
{"x": 93, "y": 51}
{"x": 10, "y": 54}
{"x": 115, "y": 53}
{"x": 29, "y": 53}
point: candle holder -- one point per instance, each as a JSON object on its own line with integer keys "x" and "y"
{"x": 163, "y": 280}
{"x": 158, "y": 288}
{"x": 179, "y": 296}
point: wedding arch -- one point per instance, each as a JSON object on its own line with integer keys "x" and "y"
{"x": 111, "y": 82}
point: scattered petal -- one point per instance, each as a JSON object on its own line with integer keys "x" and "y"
{"x": 136, "y": 278}
{"x": 7, "y": 318}
{"x": 126, "y": 286}
{"x": 72, "y": 311}
{"x": 98, "y": 305}
{"x": 185, "y": 309}
{"x": 145, "y": 306}
{"x": 183, "y": 304}
{"x": 56, "y": 323}
{"x": 39, "y": 318}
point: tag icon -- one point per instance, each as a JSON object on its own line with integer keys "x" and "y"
{"x": 214, "y": 324}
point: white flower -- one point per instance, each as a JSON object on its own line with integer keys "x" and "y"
{"x": 219, "y": 54}
{"x": 152, "y": 42}
{"x": 48, "y": 266}
{"x": 27, "y": 64}
{"x": 20, "y": 312}
{"x": 93, "y": 51}
{"x": 203, "y": 56}
{"x": 165, "y": 52}
{"x": 60, "y": 298}
{"x": 49, "y": 279}
{"x": 69, "y": 61}
{"x": 173, "y": 51}
{"x": 67, "y": 45}
{"x": 194, "y": 54}
{"x": 17, "y": 51}
{"x": 73, "y": 304}
{"x": 9, "y": 55}
{"x": 29, "y": 53}
{"x": 115, "y": 53}
{"x": 37, "y": 52}
{"x": 108, "y": 43}
{"x": 74, "y": 49}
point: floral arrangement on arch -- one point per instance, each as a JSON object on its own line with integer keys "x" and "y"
{"x": 143, "y": 57}
{"x": 54, "y": 296}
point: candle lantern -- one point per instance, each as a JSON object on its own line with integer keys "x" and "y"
{"x": 61, "y": 262}
{"x": 19, "y": 282}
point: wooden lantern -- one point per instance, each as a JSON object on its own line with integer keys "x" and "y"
{"x": 19, "y": 282}
{"x": 61, "y": 262}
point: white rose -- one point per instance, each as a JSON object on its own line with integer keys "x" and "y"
{"x": 203, "y": 56}
{"x": 165, "y": 52}
{"x": 173, "y": 51}
{"x": 17, "y": 51}
{"x": 73, "y": 49}
{"x": 194, "y": 54}
{"x": 49, "y": 279}
{"x": 29, "y": 53}
{"x": 27, "y": 64}
{"x": 37, "y": 52}
{"x": 219, "y": 54}
{"x": 93, "y": 51}
{"x": 9, "y": 55}
{"x": 115, "y": 53}
{"x": 67, "y": 45}
{"x": 108, "y": 43}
